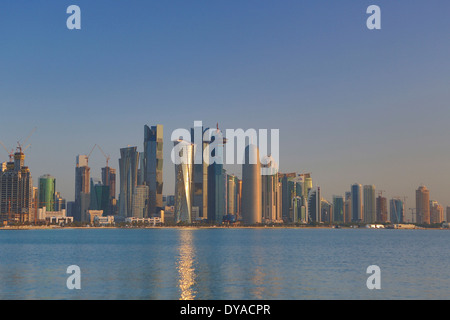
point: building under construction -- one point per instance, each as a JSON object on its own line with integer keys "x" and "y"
{"x": 16, "y": 191}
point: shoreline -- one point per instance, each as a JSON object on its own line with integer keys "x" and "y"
{"x": 7, "y": 228}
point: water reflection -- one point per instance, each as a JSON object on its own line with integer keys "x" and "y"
{"x": 185, "y": 266}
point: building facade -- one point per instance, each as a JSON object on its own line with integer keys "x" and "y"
{"x": 153, "y": 168}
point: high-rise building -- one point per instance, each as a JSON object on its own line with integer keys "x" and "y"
{"x": 348, "y": 207}
{"x": 232, "y": 194}
{"x": 251, "y": 186}
{"x": 217, "y": 179}
{"x": 357, "y": 204}
{"x": 326, "y": 211}
{"x": 183, "y": 181}
{"x": 294, "y": 190}
{"x": 47, "y": 192}
{"x": 16, "y": 191}
{"x": 381, "y": 207}
{"x": 448, "y": 214}
{"x": 315, "y": 205}
{"x": 200, "y": 187}
{"x": 287, "y": 194}
{"x": 153, "y": 168}
{"x": 397, "y": 210}
{"x": 109, "y": 180}
{"x": 271, "y": 208}
{"x": 128, "y": 166}
{"x": 338, "y": 209}
{"x": 369, "y": 204}
{"x": 436, "y": 212}
{"x": 82, "y": 189}
{"x": 60, "y": 203}
{"x": 423, "y": 205}
{"x": 99, "y": 196}
{"x": 140, "y": 201}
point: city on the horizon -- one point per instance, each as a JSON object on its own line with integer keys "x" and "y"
{"x": 204, "y": 191}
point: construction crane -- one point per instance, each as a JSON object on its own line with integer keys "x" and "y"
{"x": 107, "y": 157}
{"x": 89, "y": 155}
{"x": 412, "y": 213}
{"x": 380, "y": 192}
{"x": 10, "y": 153}
{"x": 20, "y": 147}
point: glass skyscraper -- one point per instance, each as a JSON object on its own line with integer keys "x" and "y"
{"x": 153, "y": 168}
{"x": 338, "y": 209}
{"x": 357, "y": 210}
{"x": 128, "y": 166}
{"x": 369, "y": 204}
{"x": 397, "y": 211}
{"x": 183, "y": 181}
{"x": 47, "y": 191}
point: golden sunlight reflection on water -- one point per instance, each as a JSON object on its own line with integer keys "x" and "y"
{"x": 185, "y": 266}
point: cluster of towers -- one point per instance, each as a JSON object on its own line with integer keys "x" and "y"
{"x": 204, "y": 191}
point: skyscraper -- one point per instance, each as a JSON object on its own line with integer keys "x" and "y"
{"x": 16, "y": 190}
{"x": 140, "y": 201}
{"x": 46, "y": 192}
{"x": 315, "y": 205}
{"x": 128, "y": 166}
{"x": 436, "y": 212}
{"x": 217, "y": 179}
{"x": 447, "y": 214}
{"x": 348, "y": 207}
{"x": 231, "y": 194}
{"x": 109, "y": 179}
{"x": 82, "y": 188}
{"x": 270, "y": 206}
{"x": 200, "y": 187}
{"x": 369, "y": 204}
{"x": 423, "y": 205}
{"x": 357, "y": 204}
{"x": 99, "y": 196}
{"x": 251, "y": 186}
{"x": 338, "y": 209}
{"x": 397, "y": 210}
{"x": 288, "y": 191}
{"x": 153, "y": 167}
{"x": 381, "y": 207}
{"x": 183, "y": 181}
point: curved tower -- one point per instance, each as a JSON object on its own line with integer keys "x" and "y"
{"x": 184, "y": 179}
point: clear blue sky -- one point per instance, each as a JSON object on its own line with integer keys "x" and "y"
{"x": 352, "y": 105}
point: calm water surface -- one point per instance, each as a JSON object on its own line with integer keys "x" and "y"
{"x": 218, "y": 264}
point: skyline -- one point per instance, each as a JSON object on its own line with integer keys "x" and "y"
{"x": 352, "y": 105}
